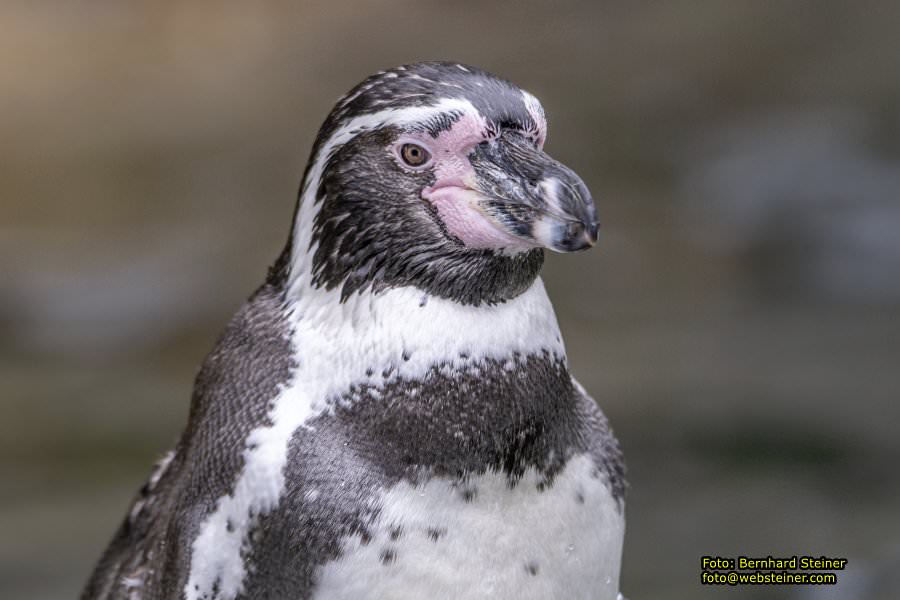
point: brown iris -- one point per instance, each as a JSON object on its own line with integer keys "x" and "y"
{"x": 414, "y": 155}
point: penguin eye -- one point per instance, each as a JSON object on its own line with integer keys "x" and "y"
{"x": 414, "y": 155}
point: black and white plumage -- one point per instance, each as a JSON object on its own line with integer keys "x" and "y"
{"x": 391, "y": 414}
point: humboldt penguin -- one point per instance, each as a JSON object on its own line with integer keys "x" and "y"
{"x": 391, "y": 414}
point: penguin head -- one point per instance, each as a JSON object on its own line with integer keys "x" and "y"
{"x": 434, "y": 175}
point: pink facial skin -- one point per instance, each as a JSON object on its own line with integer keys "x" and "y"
{"x": 458, "y": 209}
{"x": 452, "y": 194}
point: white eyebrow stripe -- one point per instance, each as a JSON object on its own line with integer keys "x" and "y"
{"x": 536, "y": 110}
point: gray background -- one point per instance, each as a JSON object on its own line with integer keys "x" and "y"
{"x": 739, "y": 321}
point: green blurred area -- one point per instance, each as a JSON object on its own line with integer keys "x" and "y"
{"x": 739, "y": 321}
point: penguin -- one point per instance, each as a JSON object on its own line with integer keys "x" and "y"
{"x": 391, "y": 414}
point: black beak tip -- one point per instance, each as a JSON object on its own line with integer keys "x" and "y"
{"x": 576, "y": 236}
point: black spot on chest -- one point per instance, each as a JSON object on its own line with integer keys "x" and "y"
{"x": 504, "y": 415}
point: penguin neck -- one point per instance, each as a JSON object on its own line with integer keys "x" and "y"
{"x": 373, "y": 338}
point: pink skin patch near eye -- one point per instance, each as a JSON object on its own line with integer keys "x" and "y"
{"x": 458, "y": 209}
{"x": 456, "y": 203}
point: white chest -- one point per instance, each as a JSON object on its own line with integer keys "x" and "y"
{"x": 483, "y": 539}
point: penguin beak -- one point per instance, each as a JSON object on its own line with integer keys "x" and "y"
{"x": 533, "y": 197}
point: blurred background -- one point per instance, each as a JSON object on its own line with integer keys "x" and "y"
{"x": 739, "y": 321}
